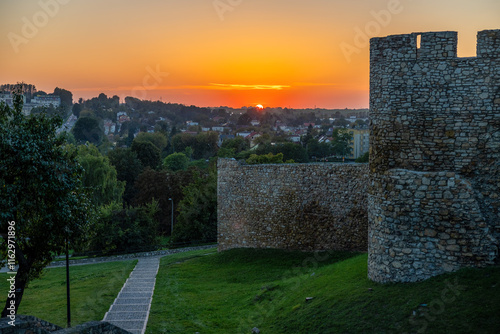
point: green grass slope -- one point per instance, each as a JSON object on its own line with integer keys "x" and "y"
{"x": 237, "y": 290}
{"x": 94, "y": 287}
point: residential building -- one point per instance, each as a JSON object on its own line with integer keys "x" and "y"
{"x": 251, "y": 137}
{"x": 46, "y": 100}
{"x": 8, "y": 98}
{"x": 244, "y": 134}
{"x": 122, "y": 117}
{"x": 218, "y": 128}
{"x": 222, "y": 138}
{"x": 360, "y": 143}
{"x": 109, "y": 127}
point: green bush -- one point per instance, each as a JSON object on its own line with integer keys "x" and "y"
{"x": 125, "y": 230}
{"x": 265, "y": 159}
{"x": 364, "y": 158}
{"x": 176, "y": 161}
{"x": 197, "y": 220}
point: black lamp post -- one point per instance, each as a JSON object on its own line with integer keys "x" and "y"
{"x": 172, "y": 219}
{"x": 68, "y": 314}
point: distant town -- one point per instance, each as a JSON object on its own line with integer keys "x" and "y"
{"x": 121, "y": 121}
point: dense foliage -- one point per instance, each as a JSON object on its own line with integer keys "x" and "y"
{"x": 42, "y": 192}
{"x": 124, "y": 230}
{"x": 87, "y": 129}
{"x": 99, "y": 177}
{"x": 176, "y": 161}
{"x": 265, "y": 159}
{"x": 197, "y": 221}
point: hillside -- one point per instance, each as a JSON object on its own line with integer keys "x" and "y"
{"x": 235, "y": 291}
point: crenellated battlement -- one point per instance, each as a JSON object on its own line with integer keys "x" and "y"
{"x": 488, "y": 44}
{"x": 433, "y": 46}
{"x": 434, "y": 155}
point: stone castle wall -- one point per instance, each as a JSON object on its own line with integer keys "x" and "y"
{"x": 434, "y": 201}
{"x": 292, "y": 206}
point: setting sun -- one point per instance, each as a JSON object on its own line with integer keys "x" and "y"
{"x": 260, "y": 106}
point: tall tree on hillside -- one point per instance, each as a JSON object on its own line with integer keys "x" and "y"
{"x": 176, "y": 161}
{"x": 244, "y": 119}
{"x": 128, "y": 167}
{"x": 318, "y": 150}
{"x": 65, "y": 95}
{"x": 87, "y": 129}
{"x": 157, "y": 139}
{"x": 160, "y": 186}
{"x": 99, "y": 176}
{"x": 42, "y": 201}
{"x": 198, "y": 210}
{"x": 341, "y": 142}
{"x": 147, "y": 153}
{"x": 77, "y": 109}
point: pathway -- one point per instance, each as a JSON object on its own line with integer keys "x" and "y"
{"x": 130, "y": 309}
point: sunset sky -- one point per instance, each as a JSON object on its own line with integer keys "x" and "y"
{"x": 289, "y": 53}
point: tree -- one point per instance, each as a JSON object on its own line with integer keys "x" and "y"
{"x": 176, "y": 161}
{"x": 147, "y": 153}
{"x": 225, "y": 152}
{"x": 341, "y": 142}
{"x": 42, "y": 196}
{"x": 265, "y": 159}
{"x": 291, "y": 151}
{"x": 99, "y": 176}
{"x": 77, "y": 109}
{"x": 238, "y": 144}
{"x": 244, "y": 119}
{"x": 318, "y": 150}
{"x": 128, "y": 167}
{"x": 125, "y": 230}
{"x": 364, "y": 158}
{"x": 341, "y": 122}
{"x": 87, "y": 130}
{"x": 157, "y": 139}
{"x": 65, "y": 95}
{"x": 160, "y": 186}
{"x": 305, "y": 140}
{"x": 204, "y": 145}
{"x": 197, "y": 221}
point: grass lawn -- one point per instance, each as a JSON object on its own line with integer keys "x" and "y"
{"x": 235, "y": 291}
{"x": 94, "y": 287}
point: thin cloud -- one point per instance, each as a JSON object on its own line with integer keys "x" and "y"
{"x": 248, "y": 87}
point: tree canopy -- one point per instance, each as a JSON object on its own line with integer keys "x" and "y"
{"x": 197, "y": 221}
{"x": 42, "y": 192}
{"x": 128, "y": 167}
{"x": 147, "y": 153}
{"x": 87, "y": 129}
{"x": 157, "y": 139}
{"x": 65, "y": 95}
{"x": 176, "y": 161}
{"x": 99, "y": 177}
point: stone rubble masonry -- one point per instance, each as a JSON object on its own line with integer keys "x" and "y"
{"x": 304, "y": 207}
{"x": 433, "y": 200}
{"x": 27, "y": 324}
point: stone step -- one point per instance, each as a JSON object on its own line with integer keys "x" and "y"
{"x": 128, "y": 316}
{"x": 128, "y": 308}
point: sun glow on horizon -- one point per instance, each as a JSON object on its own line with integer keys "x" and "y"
{"x": 186, "y": 52}
{"x": 260, "y": 106}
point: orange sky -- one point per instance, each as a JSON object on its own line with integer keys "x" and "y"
{"x": 237, "y": 53}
